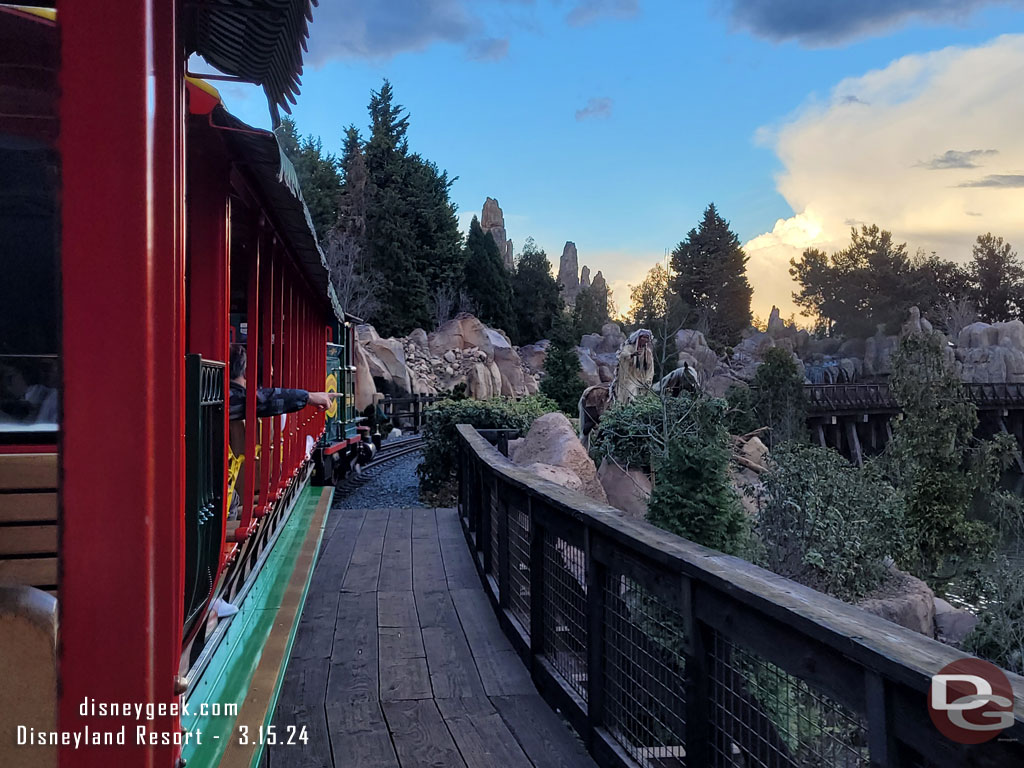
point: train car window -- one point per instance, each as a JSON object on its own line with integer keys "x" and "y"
{"x": 29, "y": 314}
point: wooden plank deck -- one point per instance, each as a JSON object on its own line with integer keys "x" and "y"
{"x": 399, "y": 660}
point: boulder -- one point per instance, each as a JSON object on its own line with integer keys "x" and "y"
{"x": 569, "y": 273}
{"x": 952, "y": 624}
{"x": 588, "y": 368}
{"x": 391, "y": 354}
{"x": 612, "y": 338}
{"x": 700, "y": 355}
{"x": 533, "y": 355}
{"x": 992, "y": 354}
{"x": 418, "y": 337}
{"x": 479, "y": 384}
{"x": 365, "y": 390}
{"x": 365, "y": 333}
{"x": 903, "y": 600}
{"x": 552, "y": 440}
{"x": 513, "y": 446}
{"x": 510, "y": 368}
{"x": 461, "y": 332}
{"x": 627, "y": 490}
{"x": 557, "y": 475}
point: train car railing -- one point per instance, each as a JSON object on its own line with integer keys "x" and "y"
{"x": 205, "y": 480}
{"x": 664, "y": 653}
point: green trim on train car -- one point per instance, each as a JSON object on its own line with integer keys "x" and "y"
{"x": 227, "y": 679}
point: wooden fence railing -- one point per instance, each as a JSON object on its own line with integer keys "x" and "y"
{"x": 408, "y": 413}
{"x": 664, "y": 653}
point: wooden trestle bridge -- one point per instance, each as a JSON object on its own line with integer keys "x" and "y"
{"x": 533, "y": 627}
{"x": 856, "y": 419}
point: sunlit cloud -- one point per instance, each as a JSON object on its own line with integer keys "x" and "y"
{"x": 868, "y": 162}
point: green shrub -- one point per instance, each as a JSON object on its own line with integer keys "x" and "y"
{"x": 441, "y": 440}
{"x": 999, "y": 636}
{"x": 825, "y": 523}
{"x": 941, "y": 468}
{"x": 740, "y": 418}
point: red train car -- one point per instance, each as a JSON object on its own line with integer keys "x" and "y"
{"x": 143, "y": 229}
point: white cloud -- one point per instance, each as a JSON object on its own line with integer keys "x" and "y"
{"x": 867, "y": 160}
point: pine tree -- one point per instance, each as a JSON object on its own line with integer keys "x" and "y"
{"x": 711, "y": 279}
{"x": 997, "y": 280}
{"x": 591, "y": 310}
{"x": 318, "y": 172}
{"x": 392, "y": 242}
{"x": 535, "y": 295}
{"x": 562, "y": 382}
{"x": 488, "y": 283}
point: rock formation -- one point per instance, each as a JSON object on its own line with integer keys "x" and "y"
{"x": 599, "y": 285}
{"x": 569, "y": 273}
{"x": 462, "y": 351}
{"x": 492, "y": 220}
{"x": 903, "y": 600}
{"x": 552, "y": 442}
{"x": 991, "y": 354}
{"x": 628, "y": 490}
{"x": 584, "y": 277}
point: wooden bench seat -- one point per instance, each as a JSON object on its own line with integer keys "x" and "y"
{"x": 28, "y": 520}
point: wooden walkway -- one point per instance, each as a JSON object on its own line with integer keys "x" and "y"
{"x": 399, "y": 660}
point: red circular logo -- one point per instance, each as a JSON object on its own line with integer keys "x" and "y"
{"x": 971, "y": 701}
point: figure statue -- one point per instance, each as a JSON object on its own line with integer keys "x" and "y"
{"x": 634, "y": 373}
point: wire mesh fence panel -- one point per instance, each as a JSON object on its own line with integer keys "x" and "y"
{"x": 764, "y": 717}
{"x": 565, "y": 598}
{"x": 519, "y": 565}
{"x": 493, "y": 511}
{"x": 644, "y": 695}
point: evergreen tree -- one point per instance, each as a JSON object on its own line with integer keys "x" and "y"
{"x": 488, "y": 283}
{"x": 778, "y": 399}
{"x": 711, "y": 279}
{"x": 535, "y": 295}
{"x": 997, "y": 280}
{"x": 591, "y": 310}
{"x": 318, "y": 173}
{"x": 411, "y": 228}
{"x": 562, "y": 382}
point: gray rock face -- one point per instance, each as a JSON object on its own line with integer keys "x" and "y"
{"x": 569, "y": 272}
{"x": 904, "y": 600}
{"x": 628, "y": 490}
{"x": 599, "y": 285}
{"x": 992, "y": 354}
{"x": 585, "y": 277}
{"x": 492, "y": 220}
{"x": 952, "y": 625}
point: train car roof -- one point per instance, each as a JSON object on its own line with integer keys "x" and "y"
{"x": 261, "y": 153}
{"x": 260, "y": 41}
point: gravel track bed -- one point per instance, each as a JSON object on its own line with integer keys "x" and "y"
{"x": 393, "y": 484}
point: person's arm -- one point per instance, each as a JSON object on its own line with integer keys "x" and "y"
{"x": 273, "y": 401}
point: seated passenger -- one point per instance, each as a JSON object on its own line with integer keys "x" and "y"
{"x": 270, "y": 401}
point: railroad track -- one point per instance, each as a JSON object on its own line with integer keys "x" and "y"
{"x": 389, "y": 451}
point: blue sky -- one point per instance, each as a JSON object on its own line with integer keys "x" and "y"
{"x": 613, "y": 123}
